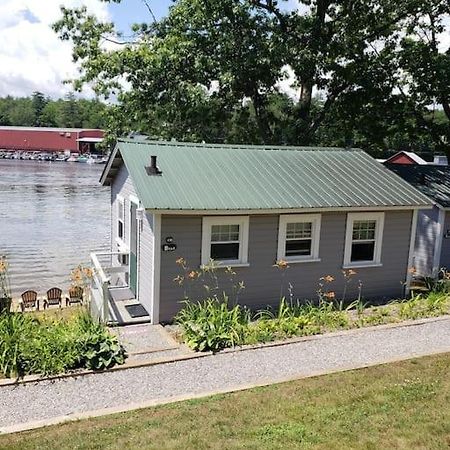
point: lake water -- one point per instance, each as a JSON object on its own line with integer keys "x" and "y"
{"x": 52, "y": 215}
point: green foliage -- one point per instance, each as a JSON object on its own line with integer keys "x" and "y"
{"x": 42, "y": 111}
{"x": 32, "y": 346}
{"x": 212, "y": 71}
{"x": 211, "y": 324}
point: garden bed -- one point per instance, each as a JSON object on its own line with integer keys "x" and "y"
{"x": 47, "y": 344}
{"x": 214, "y": 325}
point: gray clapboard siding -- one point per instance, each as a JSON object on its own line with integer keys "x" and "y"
{"x": 123, "y": 186}
{"x": 445, "y": 251}
{"x": 264, "y": 283}
{"x": 425, "y": 246}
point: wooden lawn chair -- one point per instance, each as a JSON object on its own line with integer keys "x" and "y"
{"x": 29, "y": 300}
{"x": 75, "y": 296}
{"x": 53, "y": 297}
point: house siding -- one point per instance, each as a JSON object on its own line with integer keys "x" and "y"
{"x": 264, "y": 284}
{"x": 123, "y": 186}
{"x": 445, "y": 251}
{"x": 425, "y": 245}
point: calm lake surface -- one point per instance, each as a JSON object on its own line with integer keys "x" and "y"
{"x": 52, "y": 215}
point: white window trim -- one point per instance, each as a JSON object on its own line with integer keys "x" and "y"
{"x": 315, "y": 220}
{"x": 351, "y": 218}
{"x": 243, "y": 222}
{"x": 120, "y": 202}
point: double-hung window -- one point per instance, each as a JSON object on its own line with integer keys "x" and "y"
{"x": 225, "y": 240}
{"x": 363, "y": 240}
{"x": 298, "y": 237}
{"x": 120, "y": 218}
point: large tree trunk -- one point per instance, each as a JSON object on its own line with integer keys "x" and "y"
{"x": 305, "y": 100}
{"x": 446, "y": 106}
{"x": 259, "y": 104}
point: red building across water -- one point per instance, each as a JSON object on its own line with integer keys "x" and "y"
{"x": 33, "y": 139}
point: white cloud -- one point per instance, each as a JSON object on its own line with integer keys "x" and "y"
{"x": 32, "y": 58}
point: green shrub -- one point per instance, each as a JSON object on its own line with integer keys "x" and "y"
{"x": 211, "y": 324}
{"x": 32, "y": 346}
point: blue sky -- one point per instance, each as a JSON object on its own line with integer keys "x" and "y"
{"x": 130, "y": 11}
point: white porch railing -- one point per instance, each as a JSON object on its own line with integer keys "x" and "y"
{"x": 109, "y": 272}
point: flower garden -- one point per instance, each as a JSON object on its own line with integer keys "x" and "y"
{"x": 218, "y": 322}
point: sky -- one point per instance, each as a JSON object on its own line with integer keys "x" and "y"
{"x": 32, "y": 58}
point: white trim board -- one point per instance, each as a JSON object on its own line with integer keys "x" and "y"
{"x": 351, "y": 218}
{"x": 315, "y": 220}
{"x": 208, "y": 222}
{"x": 156, "y": 272}
{"x": 412, "y": 243}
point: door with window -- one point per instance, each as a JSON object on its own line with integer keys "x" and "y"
{"x": 133, "y": 249}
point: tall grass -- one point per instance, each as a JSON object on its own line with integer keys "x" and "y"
{"x": 43, "y": 346}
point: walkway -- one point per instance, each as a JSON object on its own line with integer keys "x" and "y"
{"x": 125, "y": 389}
{"x": 145, "y": 342}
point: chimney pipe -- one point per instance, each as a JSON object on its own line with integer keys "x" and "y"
{"x": 152, "y": 169}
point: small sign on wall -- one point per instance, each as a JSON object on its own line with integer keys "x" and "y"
{"x": 169, "y": 247}
{"x": 447, "y": 234}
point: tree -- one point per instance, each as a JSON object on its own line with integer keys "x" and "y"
{"x": 211, "y": 71}
{"x": 39, "y": 102}
{"x": 70, "y": 113}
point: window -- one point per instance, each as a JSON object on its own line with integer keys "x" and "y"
{"x": 120, "y": 218}
{"x": 225, "y": 239}
{"x": 298, "y": 237}
{"x": 363, "y": 239}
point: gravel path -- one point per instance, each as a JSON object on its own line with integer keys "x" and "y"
{"x": 47, "y": 399}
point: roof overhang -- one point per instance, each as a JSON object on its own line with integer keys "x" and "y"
{"x": 112, "y": 167}
{"x": 212, "y": 212}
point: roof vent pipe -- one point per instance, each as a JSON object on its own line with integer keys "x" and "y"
{"x": 152, "y": 169}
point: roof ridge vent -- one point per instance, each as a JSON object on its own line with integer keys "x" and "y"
{"x": 153, "y": 169}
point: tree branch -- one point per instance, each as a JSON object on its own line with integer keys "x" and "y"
{"x": 149, "y": 10}
{"x": 270, "y": 7}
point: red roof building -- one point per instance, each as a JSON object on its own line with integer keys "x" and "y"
{"x": 33, "y": 139}
{"x": 406, "y": 158}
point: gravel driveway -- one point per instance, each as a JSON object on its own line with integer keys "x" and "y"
{"x": 48, "y": 399}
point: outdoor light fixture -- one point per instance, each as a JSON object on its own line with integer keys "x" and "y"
{"x": 140, "y": 212}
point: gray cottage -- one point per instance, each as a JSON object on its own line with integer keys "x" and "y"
{"x": 432, "y": 246}
{"x": 321, "y": 210}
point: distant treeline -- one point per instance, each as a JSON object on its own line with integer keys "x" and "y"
{"x": 41, "y": 111}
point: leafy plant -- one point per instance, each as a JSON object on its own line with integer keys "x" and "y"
{"x": 211, "y": 324}
{"x": 32, "y": 346}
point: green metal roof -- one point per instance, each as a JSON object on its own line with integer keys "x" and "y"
{"x": 231, "y": 177}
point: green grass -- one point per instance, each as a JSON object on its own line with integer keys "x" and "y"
{"x": 398, "y": 406}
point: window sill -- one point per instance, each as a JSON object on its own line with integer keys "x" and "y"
{"x": 297, "y": 261}
{"x": 221, "y": 265}
{"x": 361, "y": 265}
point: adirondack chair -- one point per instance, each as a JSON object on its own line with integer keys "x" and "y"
{"x": 75, "y": 295}
{"x": 29, "y": 300}
{"x": 53, "y": 297}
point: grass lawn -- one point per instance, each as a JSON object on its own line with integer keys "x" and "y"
{"x": 404, "y": 405}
